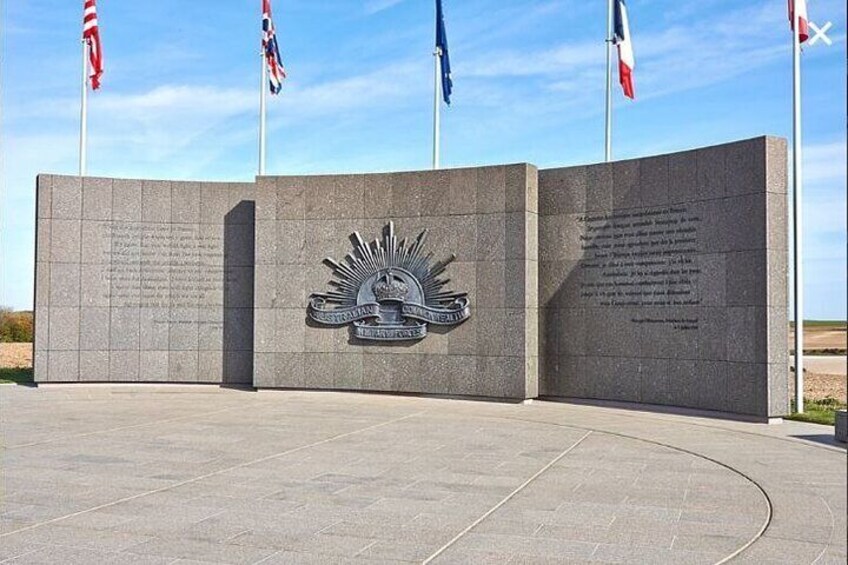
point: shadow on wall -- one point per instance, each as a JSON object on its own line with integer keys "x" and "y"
{"x": 238, "y": 273}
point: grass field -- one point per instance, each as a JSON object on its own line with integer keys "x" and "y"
{"x": 818, "y": 411}
{"x": 18, "y": 375}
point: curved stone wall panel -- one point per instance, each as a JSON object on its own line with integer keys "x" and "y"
{"x": 144, "y": 281}
{"x": 663, "y": 280}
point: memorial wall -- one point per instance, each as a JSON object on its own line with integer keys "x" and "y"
{"x": 663, "y": 280}
{"x": 656, "y": 281}
{"x": 485, "y": 217}
{"x": 147, "y": 281}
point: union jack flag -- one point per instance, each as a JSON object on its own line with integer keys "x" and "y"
{"x": 276, "y": 71}
{"x": 91, "y": 35}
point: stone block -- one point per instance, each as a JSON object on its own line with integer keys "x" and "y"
{"x": 40, "y": 362}
{"x": 776, "y": 165}
{"x": 156, "y": 201}
{"x": 126, "y": 200}
{"x": 182, "y": 366}
{"x": 215, "y": 202}
{"x": 64, "y": 328}
{"x": 42, "y": 284}
{"x": 491, "y": 190}
{"x": 491, "y": 237}
{"x": 626, "y": 184}
{"x": 43, "y": 250}
{"x": 291, "y": 197}
{"x": 463, "y": 192}
{"x": 520, "y": 192}
{"x": 747, "y": 388}
{"x": 66, "y": 198}
{"x": 153, "y": 329}
{"x": 238, "y": 329}
{"x": 683, "y": 177}
{"x": 94, "y": 366}
{"x": 43, "y": 197}
{"x": 123, "y": 366}
{"x": 599, "y": 188}
{"x": 654, "y": 181}
{"x": 185, "y": 202}
{"x": 65, "y": 239}
{"x": 377, "y": 195}
{"x": 841, "y": 430}
{"x": 210, "y": 366}
{"x": 211, "y": 324}
{"x": 747, "y": 334}
{"x": 290, "y": 370}
{"x": 96, "y": 242}
{"x": 154, "y": 366}
{"x": 713, "y": 387}
{"x": 94, "y": 329}
{"x": 238, "y": 368}
{"x": 183, "y": 329}
{"x": 124, "y": 326}
{"x": 64, "y": 284}
{"x": 711, "y": 170}
{"x": 96, "y": 199}
{"x": 563, "y": 191}
{"x": 743, "y": 222}
{"x": 64, "y": 366}
{"x": 745, "y": 163}
{"x": 747, "y": 278}
{"x": 41, "y": 337}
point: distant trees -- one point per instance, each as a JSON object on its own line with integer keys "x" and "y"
{"x": 15, "y": 327}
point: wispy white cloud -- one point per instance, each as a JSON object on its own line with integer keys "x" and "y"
{"x": 826, "y": 163}
{"x": 374, "y": 6}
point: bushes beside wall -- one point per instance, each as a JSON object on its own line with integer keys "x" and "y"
{"x": 15, "y": 327}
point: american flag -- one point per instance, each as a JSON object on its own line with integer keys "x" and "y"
{"x": 803, "y": 26}
{"x": 276, "y": 71}
{"x": 621, "y": 38}
{"x": 91, "y": 35}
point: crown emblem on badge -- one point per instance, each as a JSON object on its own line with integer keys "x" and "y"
{"x": 390, "y": 288}
{"x": 389, "y": 291}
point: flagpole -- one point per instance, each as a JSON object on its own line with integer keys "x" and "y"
{"x": 608, "y": 107}
{"x": 797, "y": 209}
{"x": 262, "y": 96}
{"x": 83, "y": 140}
{"x": 437, "y": 99}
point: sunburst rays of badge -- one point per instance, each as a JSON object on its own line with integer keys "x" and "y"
{"x": 370, "y": 258}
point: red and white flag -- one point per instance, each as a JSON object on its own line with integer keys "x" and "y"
{"x": 621, "y": 39}
{"x": 91, "y": 35}
{"x": 803, "y": 22}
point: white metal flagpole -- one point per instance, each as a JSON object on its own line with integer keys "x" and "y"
{"x": 437, "y": 99}
{"x": 262, "y": 95}
{"x": 608, "y": 113}
{"x": 83, "y": 140}
{"x": 797, "y": 208}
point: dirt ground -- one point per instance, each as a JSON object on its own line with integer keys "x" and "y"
{"x": 14, "y": 355}
{"x": 821, "y": 337}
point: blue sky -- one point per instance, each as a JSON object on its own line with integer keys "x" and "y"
{"x": 180, "y": 94}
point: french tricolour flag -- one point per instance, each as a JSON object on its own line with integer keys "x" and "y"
{"x": 621, "y": 39}
{"x": 803, "y": 26}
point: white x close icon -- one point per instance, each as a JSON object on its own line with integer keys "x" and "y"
{"x": 821, "y": 33}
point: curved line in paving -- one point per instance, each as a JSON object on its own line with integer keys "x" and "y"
{"x": 506, "y": 499}
{"x": 646, "y": 414}
{"x": 832, "y": 529}
{"x": 760, "y": 489}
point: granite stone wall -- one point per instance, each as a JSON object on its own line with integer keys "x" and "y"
{"x": 486, "y": 216}
{"x": 663, "y": 280}
{"x": 657, "y": 281}
{"x": 143, "y": 281}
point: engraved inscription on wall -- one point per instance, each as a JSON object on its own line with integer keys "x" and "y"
{"x": 642, "y": 258}
{"x": 163, "y": 266}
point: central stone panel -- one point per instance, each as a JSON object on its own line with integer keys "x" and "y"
{"x": 472, "y": 332}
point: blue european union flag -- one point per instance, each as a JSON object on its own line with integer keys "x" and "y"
{"x": 442, "y": 50}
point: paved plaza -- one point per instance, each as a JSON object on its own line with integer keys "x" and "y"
{"x": 128, "y": 474}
